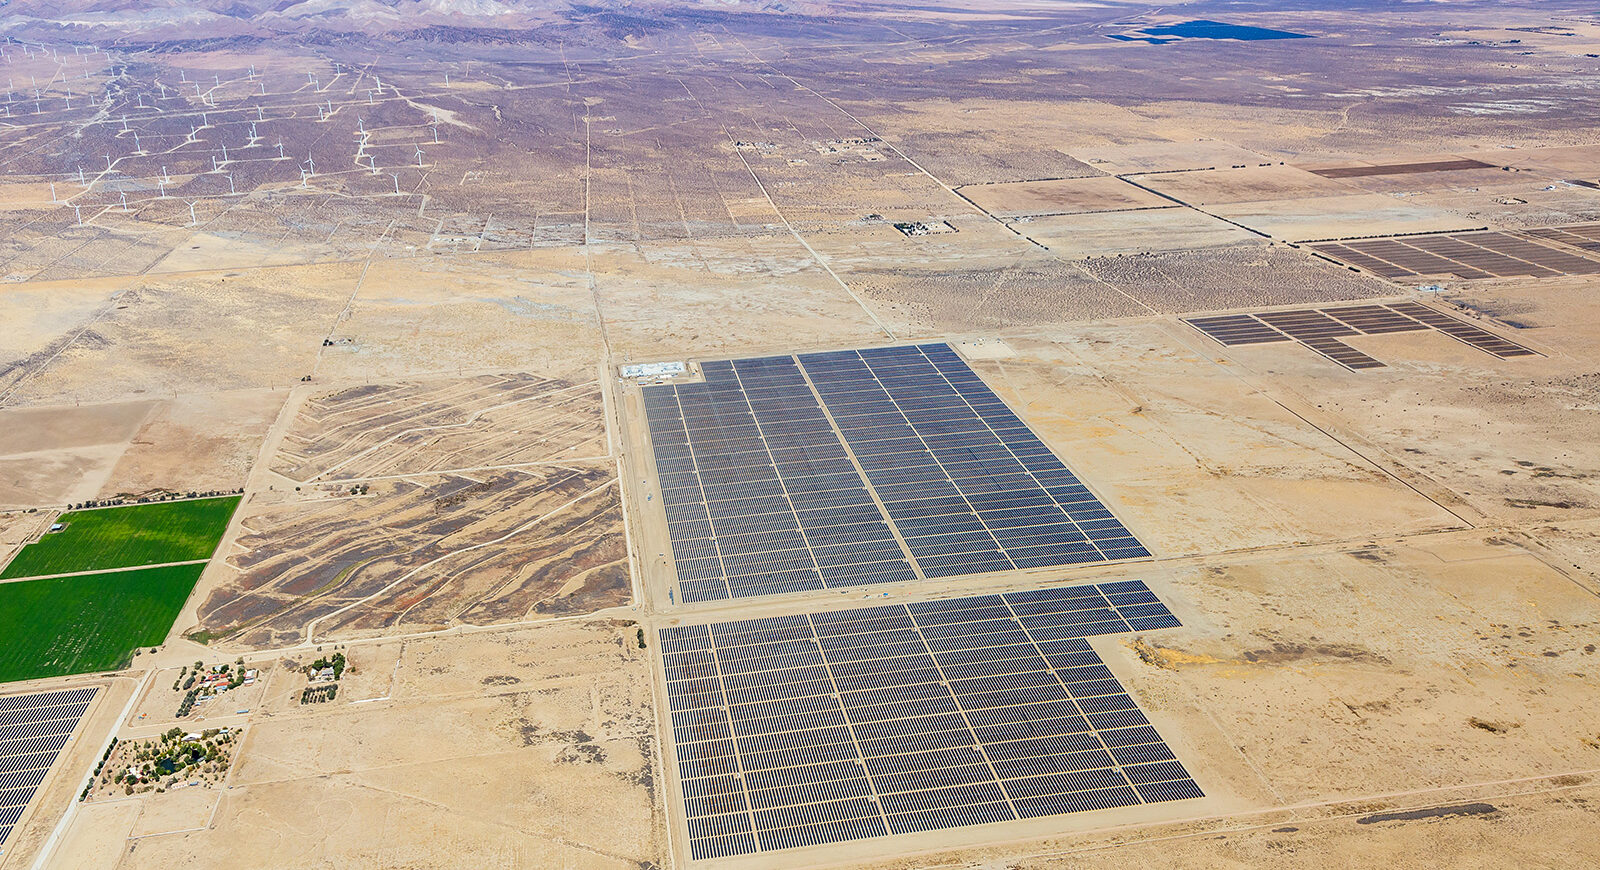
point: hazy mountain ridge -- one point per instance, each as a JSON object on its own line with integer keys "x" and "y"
{"x": 163, "y": 20}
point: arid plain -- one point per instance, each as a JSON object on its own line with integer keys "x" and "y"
{"x": 384, "y": 280}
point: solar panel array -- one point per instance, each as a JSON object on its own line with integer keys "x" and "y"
{"x": 1232, "y": 329}
{"x": 815, "y": 728}
{"x": 1487, "y": 254}
{"x": 761, "y": 473}
{"x": 33, "y": 729}
{"x": 760, "y": 496}
{"x": 1321, "y": 329}
{"x": 1584, "y": 237}
{"x": 1461, "y": 331}
{"x": 1320, "y": 332}
{"x": 1374, "y": 319}
{"x": 968, "y": 486}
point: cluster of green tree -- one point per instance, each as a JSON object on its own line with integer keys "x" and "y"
{"x": 170, "y": 756}
{"x": 319, "y": 694}
{"x": 99, "y": 766}
{"x": 146, "y": 499}
{"x": 337, "y": 662}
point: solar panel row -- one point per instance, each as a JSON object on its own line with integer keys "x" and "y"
{"x": 33, "y": 729}
{"x": 1321, "y": 329}
{"x": 762, "y": 497}
{"x": 806, "y": 729}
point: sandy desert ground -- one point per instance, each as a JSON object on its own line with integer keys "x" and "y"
{"x": 400, "y": 334}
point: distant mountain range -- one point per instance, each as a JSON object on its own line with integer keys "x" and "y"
{"x": 156, "y": 21}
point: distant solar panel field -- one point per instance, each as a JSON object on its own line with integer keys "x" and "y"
{"x": 785, "y": 474}
{"x": 33, "y": 730}
{"x": 815, "y": 728}
{"x": 1322, "y": 330}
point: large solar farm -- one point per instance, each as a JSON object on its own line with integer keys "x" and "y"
{"x": 670, "y": 435}
{"x": 784, "y": 474}
{"x": 797, "y": 730}
{"x": 837, "y": 470}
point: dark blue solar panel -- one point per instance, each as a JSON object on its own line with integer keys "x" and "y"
{"x": 802, "y": 729}
{"x": 754, "y": 480}
{"x": 33, "y": 730}
{"x": 895, "y": 403}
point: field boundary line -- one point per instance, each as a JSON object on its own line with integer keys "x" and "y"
{"x": 105, "y": 571}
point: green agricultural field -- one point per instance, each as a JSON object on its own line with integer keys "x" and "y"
{"x": 92, "y": 622}
{"x": 127, "y": 537}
